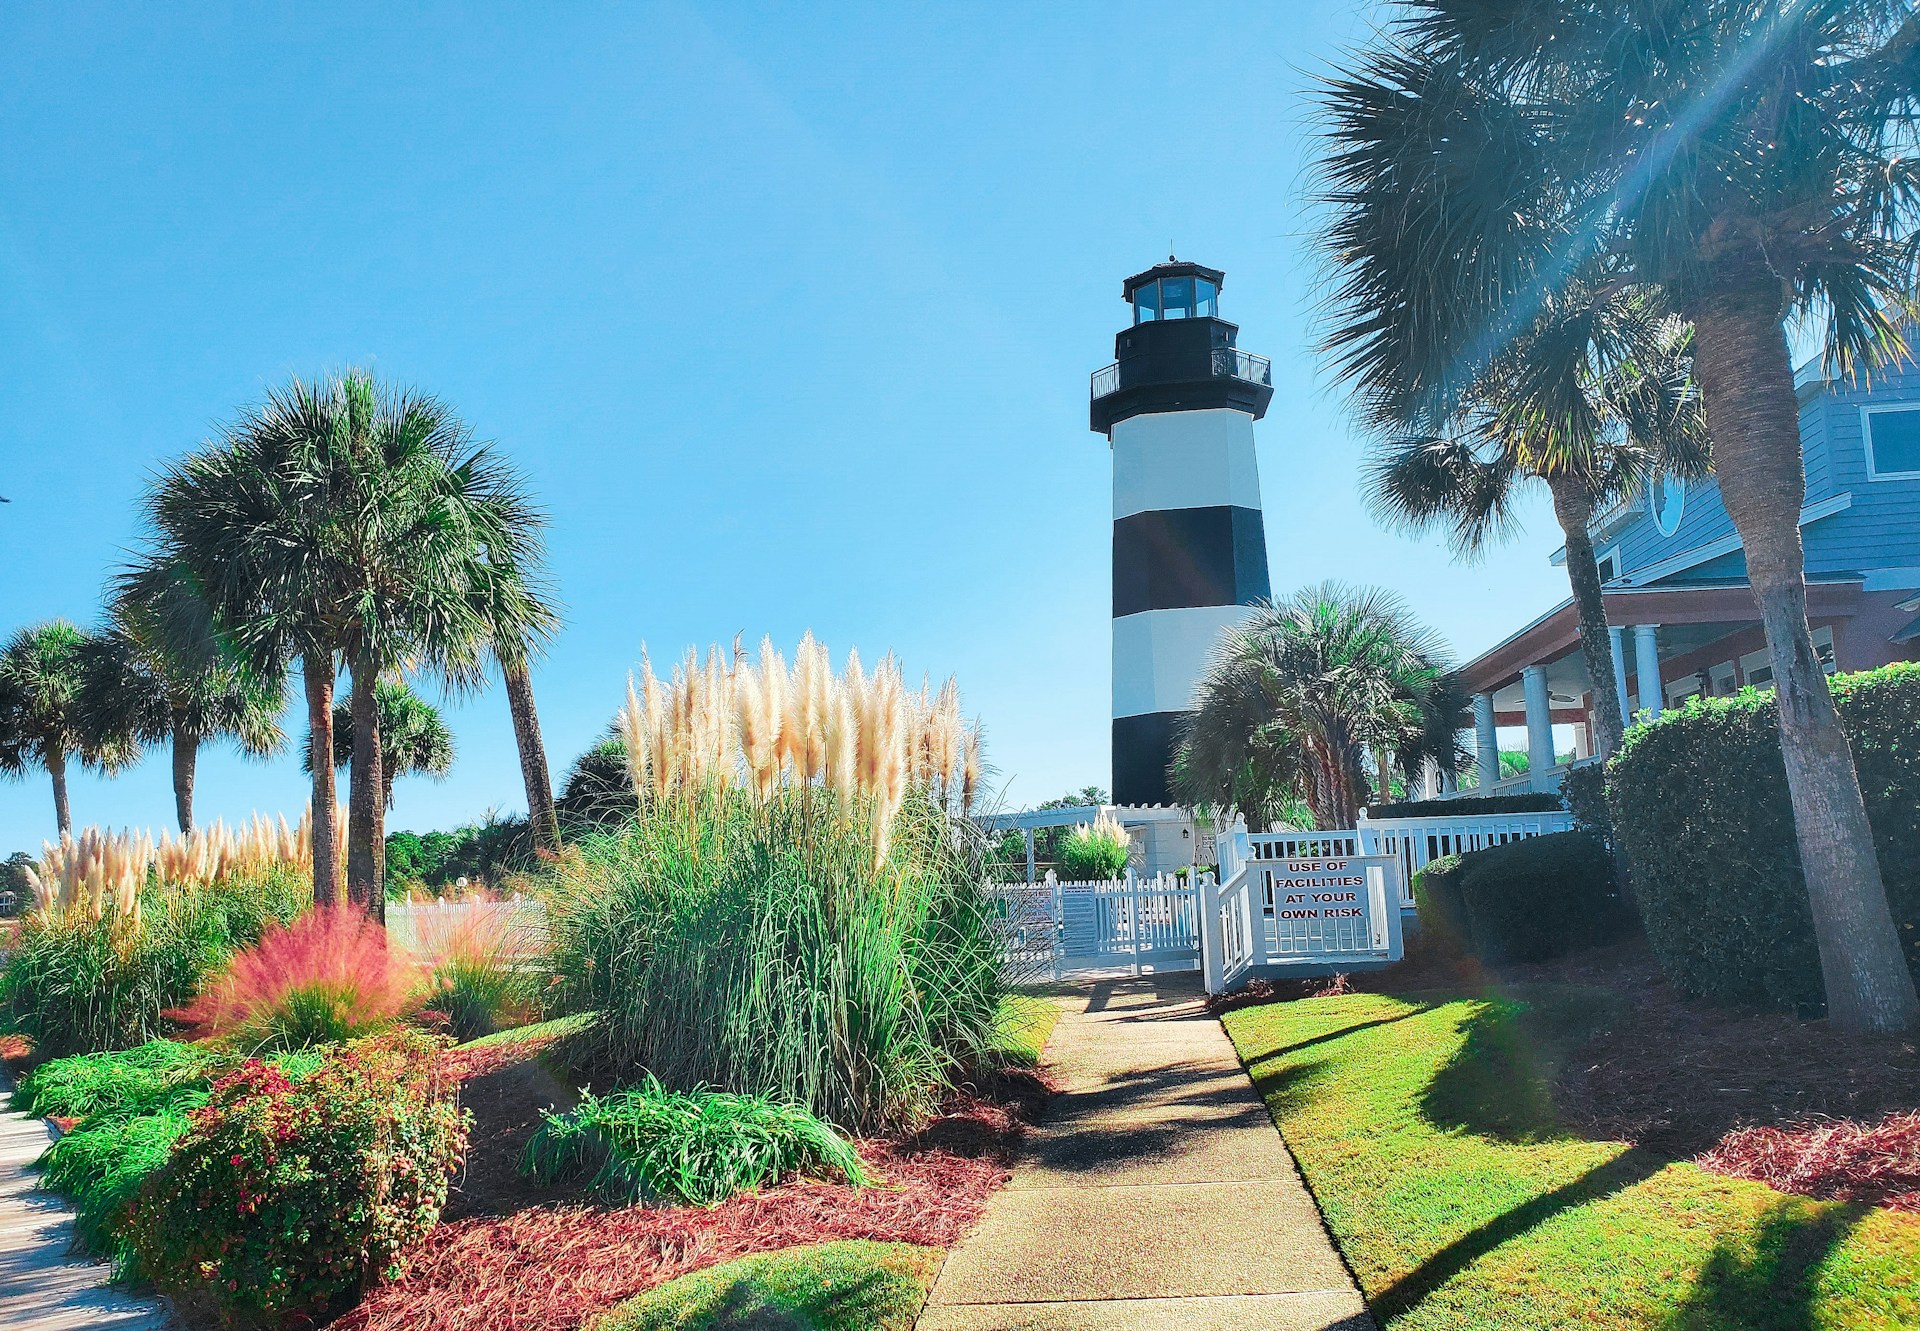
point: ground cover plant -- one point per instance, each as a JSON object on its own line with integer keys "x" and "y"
{"x": 795, "y": 911}
{"x": 1426, "y": 1127}
{"x": 646, "y": 1143}
{"x": 1698, "y": 800}
{"x": 319, "y": 1182}
{"x": 845, "y": 1286}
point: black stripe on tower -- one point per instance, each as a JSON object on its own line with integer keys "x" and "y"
{"x": 1169, "y": 559}
{"x": 1142, "y": 748}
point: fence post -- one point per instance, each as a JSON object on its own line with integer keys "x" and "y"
{"x": 1133, "y": 917}
{"x": 1212, "y": 940}
{"x": 1059, "y": 917}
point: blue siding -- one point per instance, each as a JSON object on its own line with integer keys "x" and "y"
{"x": 1881, "y": 529}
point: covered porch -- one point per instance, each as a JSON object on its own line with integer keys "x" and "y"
{"x": 1532, "y": 691}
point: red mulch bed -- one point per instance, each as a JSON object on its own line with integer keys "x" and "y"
{"x": 513, "y": 1256}
{"x": 1839, "y": 1159}
{"x": 1678, "y": 1076}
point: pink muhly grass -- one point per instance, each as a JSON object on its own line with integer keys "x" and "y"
{"x": 327, "y": 976}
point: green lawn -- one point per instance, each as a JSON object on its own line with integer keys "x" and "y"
{"x": 847, "y": 1286}
{"x": 1025, "y": 1024}
{"x": 1425, "y": 1130}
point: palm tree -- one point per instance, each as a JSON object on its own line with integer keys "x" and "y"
{"x": 525, "y": 618}
{"x": 43, "y": 723}
{"x": 347, "y": 521}
{"x": 414, "y": 739}
{"x": 1749, "y": 162}
{"x": 156, "y": 675}
{"x": 1295, "y": 699}
{"x": 1593, "y": 404}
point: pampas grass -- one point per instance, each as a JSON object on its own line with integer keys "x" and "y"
{"x": 101, "y": 873}
{"x": 766, "y": 726}
{"x": 796, "y": 911}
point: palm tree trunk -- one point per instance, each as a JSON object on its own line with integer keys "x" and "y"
{"x": 186, "y": 755}
{"x": 1746, "y": 379}
{"x": 542, "y": 816}
{"x": 366, "y": 795}
{"x": 1574, "y": 508}
{"x": 57, "y": 769}
{"x": 316, "y": 670}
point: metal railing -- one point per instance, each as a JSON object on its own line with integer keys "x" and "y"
{"x": 1227, "y": 363}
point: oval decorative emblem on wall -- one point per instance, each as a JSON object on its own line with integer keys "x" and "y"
{"x": 1666, "y": 501}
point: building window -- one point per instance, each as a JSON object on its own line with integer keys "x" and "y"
{"x": 1206, "y": 302}
{"x": 1176, "y": 298}
{"x": 1893, "y": 441}
{"x": 1757, "y": 667}
{"x": 1609, "y": 565}
{"x": 1666, "y": 502}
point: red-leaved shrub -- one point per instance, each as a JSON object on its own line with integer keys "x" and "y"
{"x": 286, "y": 1198}
{"x": 327, "y": 977}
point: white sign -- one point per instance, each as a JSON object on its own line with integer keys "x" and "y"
{"x": 1318, "y": 890}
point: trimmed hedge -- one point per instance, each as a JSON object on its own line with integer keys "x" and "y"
{"x": 1532, "y": 801}
{"x": 1529, "y": 900}
{"x": 1699, "y": 806}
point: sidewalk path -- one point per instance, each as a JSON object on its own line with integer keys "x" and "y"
{"x": 1155, "y": 1196}
{"x": 42, "y": 1286}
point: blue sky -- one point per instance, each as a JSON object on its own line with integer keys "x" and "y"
{"x": 787, "y": 312}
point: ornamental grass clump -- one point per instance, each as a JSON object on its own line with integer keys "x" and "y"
{"x": 477, "y": 980}
{"x": 287, "y": 1197}
{"x": 649, "y": 1144}
{"x": 76, "y": 982}
{"x": 796, "y": 910}
{"x": 327, "y": 977}
{"x": 1093, "y": 852}
{"x": 130, "y": 1081}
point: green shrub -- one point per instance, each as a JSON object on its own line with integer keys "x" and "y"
{"x": 851, "y": 1285}
{"x": 1540, "y": 897}
{"x": 1437, "y": 903}
{"x": 649, "y": 1144}
{"x": 132, "y": 1106}
{"x": 130, "y": 1081}
{"x": 1094, "y": 851}
{"x": 1528, "y": 900}
{"x": 1700, "y": 809}
{"x": 1585, "y": 791}
{"x": 1541, "y": 801}
{"x": 754, "y": 945}
{"x": 286, "y": 1197}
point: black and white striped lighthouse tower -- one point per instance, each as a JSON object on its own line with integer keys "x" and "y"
{"x": 1189, "y": 550}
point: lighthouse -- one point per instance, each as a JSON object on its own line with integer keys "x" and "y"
{"x": 1189, "y": 550}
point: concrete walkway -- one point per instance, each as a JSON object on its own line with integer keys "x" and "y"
{"x": 43, "y": 1287}
{"x": 1156, "y": 1196}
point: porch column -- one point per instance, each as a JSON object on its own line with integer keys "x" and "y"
{"x": 1486, "y": 742}
{"x": 1533, "y": 683}
{"x": 1646, "y": 664}
{"x": 1618, "y": 637}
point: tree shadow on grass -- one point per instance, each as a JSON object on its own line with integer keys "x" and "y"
{"x": 1327, "y": 1037}
{"x": 1767, "y": 1283}
{"x": 1617, "y": 1175}
{"x": 749, "y": 1305}
{"x": 1498, "y": 1083}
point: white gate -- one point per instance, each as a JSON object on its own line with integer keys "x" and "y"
{"x": 1129, "y": 923}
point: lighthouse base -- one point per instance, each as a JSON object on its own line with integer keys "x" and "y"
{"x": 1142, "y": 749}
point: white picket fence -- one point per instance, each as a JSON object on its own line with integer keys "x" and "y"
{"x": 1308, "y": 902}
{"x": 1417, "y": 842}
{"x": 518, "y": 923}
{"x": 1136, "y": 924}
